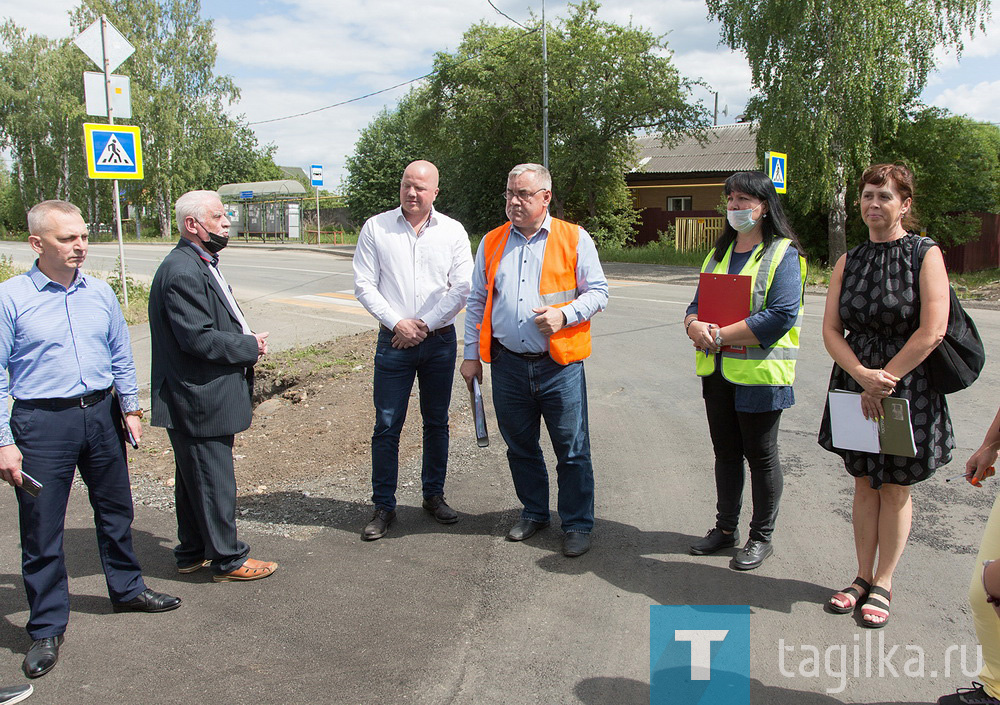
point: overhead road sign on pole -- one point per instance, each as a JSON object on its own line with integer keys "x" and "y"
{"x": 108, "y": 48}
{"x": 113, "y": 151}
{"x": 777, "y": 170}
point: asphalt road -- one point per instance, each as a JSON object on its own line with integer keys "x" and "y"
{"x": 434, "y": 614}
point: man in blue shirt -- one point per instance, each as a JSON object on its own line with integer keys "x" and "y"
{"x": 64, "y": 344}
{"x": 536, "y": 283}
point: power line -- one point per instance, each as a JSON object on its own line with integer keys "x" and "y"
{"x": 501, "y": 12}
{"x": 490, "y": 50}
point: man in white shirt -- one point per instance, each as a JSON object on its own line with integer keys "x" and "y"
{"x": 412, "y": 271}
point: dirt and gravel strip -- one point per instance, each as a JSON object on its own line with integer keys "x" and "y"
{"x": 311, "y": 440}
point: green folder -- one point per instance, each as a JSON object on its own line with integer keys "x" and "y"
{"x": 895, "y": 432}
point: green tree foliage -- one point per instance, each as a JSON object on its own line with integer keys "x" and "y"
{"x": 833, "y": 76}
{"x": 237, "y": 157}
{"x": 382, "y": 151}
{"x": 177, "y": 100}
{"x": 956, "y": 161}
{"x": 480, "y": 114}
{"x": 40, "y": 114}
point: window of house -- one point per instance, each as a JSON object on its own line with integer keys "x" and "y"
{"x": 679, "y": 203}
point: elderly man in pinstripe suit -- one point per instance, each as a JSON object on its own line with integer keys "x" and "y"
{"x": 202, "y": 381}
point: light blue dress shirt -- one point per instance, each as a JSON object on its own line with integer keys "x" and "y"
{"x": 516, "y": 292}
{"x": 58, "y": 343}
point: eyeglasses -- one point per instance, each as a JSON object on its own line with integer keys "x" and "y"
{"x": 509, "y": 195}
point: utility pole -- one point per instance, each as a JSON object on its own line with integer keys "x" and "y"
{"x": 545, "y": 91}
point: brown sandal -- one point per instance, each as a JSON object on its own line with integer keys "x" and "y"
{"x": 851, "y": 594}
{"x": 252, "y": 569}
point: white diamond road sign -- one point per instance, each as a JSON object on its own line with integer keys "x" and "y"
{"x": 119, "y": 48}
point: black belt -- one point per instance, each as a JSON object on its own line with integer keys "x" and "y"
{"x": 77, "y": 402}
{"x": 530, "y": 357}
{"x": 439, "y": 331}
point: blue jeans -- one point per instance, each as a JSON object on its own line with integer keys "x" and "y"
{"x": 432, "y": 362}
{"x": 524, "y": 392}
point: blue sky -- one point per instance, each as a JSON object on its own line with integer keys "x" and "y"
{"x": 291, "y": 56}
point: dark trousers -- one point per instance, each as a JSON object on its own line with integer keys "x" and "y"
{"x": 432, "y": 363}
{"x": 524, "y": 393}
{"x": 53, "y": 444}
{"x": 205, "y": 497}
{"x": 737, "y": 435}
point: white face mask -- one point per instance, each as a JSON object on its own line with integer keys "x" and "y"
{"x": 742, "y": 221}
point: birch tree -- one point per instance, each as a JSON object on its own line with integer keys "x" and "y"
{"x": 831, "y": 77}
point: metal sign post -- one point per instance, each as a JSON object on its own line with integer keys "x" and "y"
{"x": 114, "y": 49}
{"x": 114, "y": 184}
{"x": 317, "y": 181}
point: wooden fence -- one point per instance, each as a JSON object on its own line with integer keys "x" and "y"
{"x": 697, "y": 234}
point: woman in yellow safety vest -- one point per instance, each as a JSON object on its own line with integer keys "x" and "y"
{"x": 748, "y": 366}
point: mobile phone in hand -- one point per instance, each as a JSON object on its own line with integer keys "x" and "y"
{"x": 30, "y": 484}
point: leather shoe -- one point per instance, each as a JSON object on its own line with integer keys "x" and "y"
{"x": 752, "y": 554}
{"x": 148, "y": 601}
{"x": 15, "y": 693}
{"x": 525, "y": 529}
{"x": 715, "y": 540}
{"x": 575, "y": 544}
{"x": 440, "y": 509}
{"x": 42, "y": 656}
{"x": 252, "y": 569}
{"x": 379, "y": 524}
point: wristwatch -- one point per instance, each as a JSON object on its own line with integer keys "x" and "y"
{"x": 718, "y": 339}
{"x": 137, "y": 412}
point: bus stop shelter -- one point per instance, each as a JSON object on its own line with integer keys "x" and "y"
{"x": 264, "y": 209}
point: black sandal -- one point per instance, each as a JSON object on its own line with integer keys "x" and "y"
{"x": 853, "y": 594}
{"x": 877, "y": 605}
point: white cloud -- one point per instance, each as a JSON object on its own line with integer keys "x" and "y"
{"x": 326, "y": 137}
{"x": 724, "y": 71}
{"x": 980, "y": 101}
{"x": 49, "y": 18}
{"x": 290, "y": 56}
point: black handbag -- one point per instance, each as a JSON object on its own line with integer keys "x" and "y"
{"x": 956, "y": 363}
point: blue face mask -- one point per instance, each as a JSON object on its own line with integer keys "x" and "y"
{"x": 742, "y": 220}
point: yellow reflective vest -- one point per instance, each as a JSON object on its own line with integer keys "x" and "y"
{"x": 753, "y": 365}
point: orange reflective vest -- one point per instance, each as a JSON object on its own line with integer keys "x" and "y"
{"x": 557, "y": 287}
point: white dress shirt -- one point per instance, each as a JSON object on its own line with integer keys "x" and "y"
{"x": 399, "y": 273}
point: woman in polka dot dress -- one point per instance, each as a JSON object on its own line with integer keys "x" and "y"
{"x": 895, "y": 307}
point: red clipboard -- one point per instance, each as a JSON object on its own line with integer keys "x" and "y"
{"x": 724, "y": 299}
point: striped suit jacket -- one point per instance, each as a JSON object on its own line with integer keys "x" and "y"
{"x": 202, "y": 368}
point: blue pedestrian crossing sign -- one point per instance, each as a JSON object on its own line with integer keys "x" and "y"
{"x": 113, "y": 151}
{"x": 777, "y": 170}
